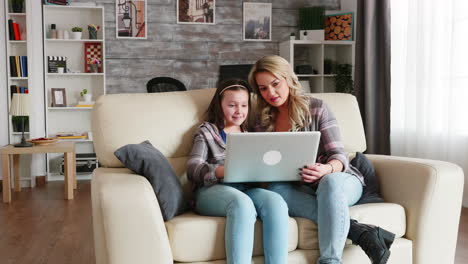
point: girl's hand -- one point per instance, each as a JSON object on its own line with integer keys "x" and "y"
{"x": 313, "y": 172}
{"x": 219, "y": 172}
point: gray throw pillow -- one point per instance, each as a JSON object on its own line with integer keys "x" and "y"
{"x": 144, "y": 159}
{"x": 371, "y": 192}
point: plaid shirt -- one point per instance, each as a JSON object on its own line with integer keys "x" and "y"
{"x": 208, "y": 152}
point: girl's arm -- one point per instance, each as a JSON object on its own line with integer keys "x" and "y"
{"x": 199, "y": 170}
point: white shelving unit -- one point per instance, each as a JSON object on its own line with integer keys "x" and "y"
{"x": 71, "y": 118}
{"x": 314, "y": 54}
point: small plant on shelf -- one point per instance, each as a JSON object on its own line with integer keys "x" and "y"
{"x": 77, "y": 29}
{"x": 76, "y": 32}
{"x": 343, "y": 78}
{"x": 83, "y": 92}
{"x": 86, "y": 96}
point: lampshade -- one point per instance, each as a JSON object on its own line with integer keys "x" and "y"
{"x": 19, "y": 105}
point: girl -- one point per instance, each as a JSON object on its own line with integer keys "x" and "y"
{"x": 331, "y": 184}
{"x": 240, "y": 203}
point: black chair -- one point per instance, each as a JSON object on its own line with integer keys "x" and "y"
{"x": 164, "y": 84}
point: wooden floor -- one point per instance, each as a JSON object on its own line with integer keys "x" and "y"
{"x": 39, "y": 227}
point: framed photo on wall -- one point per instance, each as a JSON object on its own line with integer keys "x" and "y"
{"x": 257, "y": 21}
{"x": 339, "y": 26}
{"x": 130, "y": 19}
{"x": 59, "y": 98}
{"x": 196, "y": 11}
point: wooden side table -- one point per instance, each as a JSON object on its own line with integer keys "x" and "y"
{"x": 65, "y": 147}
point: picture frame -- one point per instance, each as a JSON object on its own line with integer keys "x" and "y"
{"x": 59, "y": 98}
{"x": 256, "y": 21}
{"x": 196, "y": 12}
{"x": 130, "y": 19}
{"x": 339, "y": 26}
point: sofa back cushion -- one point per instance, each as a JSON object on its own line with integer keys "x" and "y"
{"x": 168, "y": 121}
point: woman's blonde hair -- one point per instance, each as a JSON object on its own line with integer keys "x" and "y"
{"x": 298, "y": 103}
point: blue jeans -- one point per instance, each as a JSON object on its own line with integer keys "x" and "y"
{"x": 327, "y": 206}
{"x": 241, "y": 204}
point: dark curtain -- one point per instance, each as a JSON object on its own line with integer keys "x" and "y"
{"x": 372, "y": 72}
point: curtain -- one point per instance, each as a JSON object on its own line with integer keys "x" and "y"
{"x": 372, "y": 72}
{"x": 430, "y": 81}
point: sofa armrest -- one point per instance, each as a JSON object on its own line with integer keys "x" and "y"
{"x": 128, "y": 225}
{"x": 431, "y": 192}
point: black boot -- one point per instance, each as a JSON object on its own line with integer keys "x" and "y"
{"x": 375, "y": 241}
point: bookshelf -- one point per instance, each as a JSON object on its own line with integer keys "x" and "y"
{"x": 315, "y": 54}
{"x": 75, "y": 78}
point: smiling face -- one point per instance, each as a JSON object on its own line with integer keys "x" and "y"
{"x": 274, "y": 90}
{"x": 235, "y": 105}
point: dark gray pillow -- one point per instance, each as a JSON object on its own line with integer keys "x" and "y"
{"x": 371, "y": 192}
{"x": 146, "y": 160}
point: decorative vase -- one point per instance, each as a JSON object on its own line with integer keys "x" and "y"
{"x": 92, "y": 34}
{"x": 76, "y": 35}
{"x": 94, "y": 68}
{"x": 87, "y": 97}
{"x": 317, "y": 34}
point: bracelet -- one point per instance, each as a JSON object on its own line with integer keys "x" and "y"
{"x": 333, "y": 168}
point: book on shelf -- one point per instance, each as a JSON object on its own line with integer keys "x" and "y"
{"x": 18, "y": 66}
{"x": 18, "y": 89}
{"x": 70, "y": 135}
{"x": 11, "y": 32}
{"x": 85, "y": 104}
{"x": 16, "y": 31}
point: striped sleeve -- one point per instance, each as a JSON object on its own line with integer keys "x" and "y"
{"x": 331, "y": 137}
{"x": 199, "y": 171}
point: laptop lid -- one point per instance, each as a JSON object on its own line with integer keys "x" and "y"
{"x": 269, "y": 156}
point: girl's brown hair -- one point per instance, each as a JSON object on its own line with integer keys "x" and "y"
{"x": 298, "y": 103}
{"x": 215, "y": 113}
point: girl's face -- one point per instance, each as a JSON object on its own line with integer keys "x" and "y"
{"x": 235, "y": 105}
{"x": 274, "y": 90}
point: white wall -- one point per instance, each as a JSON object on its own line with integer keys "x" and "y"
{"x": 3, "y": 84}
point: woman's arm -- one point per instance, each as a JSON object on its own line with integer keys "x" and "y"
{"x": 199, "y": 170}
{"x": 331, "y": 141}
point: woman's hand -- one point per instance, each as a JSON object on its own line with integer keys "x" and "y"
{"x": 313, "y": 172}
{"x": 219, "y": 172}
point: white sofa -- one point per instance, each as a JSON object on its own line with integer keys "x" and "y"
{"x": 423, "y": 197}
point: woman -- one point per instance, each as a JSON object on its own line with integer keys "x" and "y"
{"x": 331, "y": 184}
{"x": 240, "y": 203}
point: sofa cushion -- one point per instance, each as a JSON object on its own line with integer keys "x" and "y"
{"x": 371, "y": 192}
{"x": 386, "y": 215}
{"x": 146, "y": 160}
{"x": 201, "y": 238}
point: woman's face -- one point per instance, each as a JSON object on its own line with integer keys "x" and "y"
{"x": 235, "y": 105}
{"x": 274, "y": 90}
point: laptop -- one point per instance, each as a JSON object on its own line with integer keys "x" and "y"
{"x": 269, "y": 156}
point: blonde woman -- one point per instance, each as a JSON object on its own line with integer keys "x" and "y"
{"x": 331, "y": 184}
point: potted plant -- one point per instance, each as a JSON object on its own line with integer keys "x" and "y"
{"x": 292, "y": 36}
{"x": 311, "y": 23}
{"x": 343, "y": 78}
{"x": 76, "y": 32}
{"x": 86, "y": 96}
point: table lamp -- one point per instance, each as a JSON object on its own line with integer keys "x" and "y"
{"x": 20, "y": 107}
